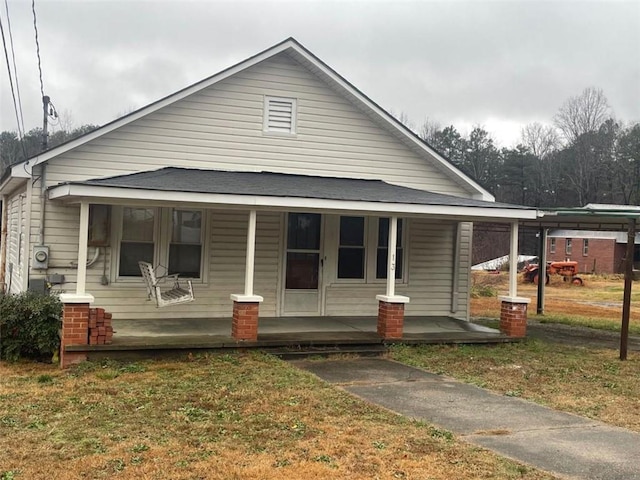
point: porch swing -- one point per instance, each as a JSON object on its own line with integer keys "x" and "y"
{"x": 173, "y": 296}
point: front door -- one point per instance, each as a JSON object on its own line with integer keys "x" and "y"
{"x": 303, "y": 272}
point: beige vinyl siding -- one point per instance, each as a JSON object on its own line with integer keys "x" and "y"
{"x": 225, "y": 262}
{"x": 429, "y": 276}
{"x": 16, "y": 241}
{"x": 221, "y": 127}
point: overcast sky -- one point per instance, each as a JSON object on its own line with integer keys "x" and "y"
{"x": 496, "y": 64}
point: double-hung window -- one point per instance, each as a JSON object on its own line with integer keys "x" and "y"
{"x": 363, "y": 249}
{"x": 567, "y": 246}
{"x": 138, "y": 239}
{"x": 185, "y": 249}
{"x": 351, "y": 251}
{"x": 169, "y": 238}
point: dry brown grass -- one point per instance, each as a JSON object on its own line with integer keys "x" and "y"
{"x": 218, "y": 417}
{"x": 599, "y": 299}
{"x": 587, "y": 382}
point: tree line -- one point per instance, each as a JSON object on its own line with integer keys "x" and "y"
{"x": 14, "y": 150}
{"x": 584, "y": 156}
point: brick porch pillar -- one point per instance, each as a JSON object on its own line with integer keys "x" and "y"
{"x": 75, "y": 327}
{"x": 246, "y": 310}
{"x": 391, "y": 316}
{"x": 513, "y": 316}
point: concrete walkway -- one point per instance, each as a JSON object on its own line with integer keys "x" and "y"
{"x": 562, "y": 444}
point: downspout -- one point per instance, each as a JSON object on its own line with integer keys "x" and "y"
{"x": 3, "y": 243}
{"x": 43, "y": 202}
{"x": 455, "y": 278}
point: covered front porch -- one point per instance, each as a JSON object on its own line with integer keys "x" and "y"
{"x": 296, "y": 260}
{"x": 283, "y": 334}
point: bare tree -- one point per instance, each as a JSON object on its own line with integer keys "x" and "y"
{"x": 583, "y": 113}
{"x": 403, "y": 118}
{"x": 541, "y": 140}
{"x": 429, "y": 131}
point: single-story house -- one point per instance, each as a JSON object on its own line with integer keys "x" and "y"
{"x": 275, "y": 187}
{"x": 595, "y": 251}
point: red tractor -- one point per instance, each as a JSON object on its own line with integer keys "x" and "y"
{"x": 568, "y": 270}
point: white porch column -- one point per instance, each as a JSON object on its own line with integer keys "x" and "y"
{"x": 513, "y": 310}
{"x": 390, "y": 305}
{"x": 251, "y": 254}
{"x": 246, "y": 307}
{"x": 513, "y": 261}
{"x": 391, "y": 256}
{"x": 82, "y": 248}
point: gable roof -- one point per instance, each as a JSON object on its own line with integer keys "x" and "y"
{"x": 281, "y": 190}
{"x": 299, "y": 53}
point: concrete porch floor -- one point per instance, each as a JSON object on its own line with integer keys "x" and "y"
{"x": 286, "y": 332}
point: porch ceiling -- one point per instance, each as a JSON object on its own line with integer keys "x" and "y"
{"x": 279, "y": 191}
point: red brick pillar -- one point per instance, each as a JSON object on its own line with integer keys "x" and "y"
{"x": 513, "y": 316}
{"x": 75, "y": 331}
{"x": 75, "y": 327}
{"x": 245, "y": 321}
{"x": 391, "y": 316}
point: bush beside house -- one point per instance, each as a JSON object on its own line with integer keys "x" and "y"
{"x": 29, "y": 326}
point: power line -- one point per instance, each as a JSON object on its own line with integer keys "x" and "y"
{"x": 13, "y": 93}
{"x": 15, "y": 68}
{"x": 35, "y": 28}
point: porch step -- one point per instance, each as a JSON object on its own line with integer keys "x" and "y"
{"x": 374, "y": 350}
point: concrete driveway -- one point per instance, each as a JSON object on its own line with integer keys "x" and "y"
{"x": 563, "y": 444}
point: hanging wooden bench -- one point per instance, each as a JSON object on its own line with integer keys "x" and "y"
{"x": 173, "y": 296}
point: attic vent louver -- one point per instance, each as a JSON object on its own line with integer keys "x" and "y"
{"x": 280, "y": 115}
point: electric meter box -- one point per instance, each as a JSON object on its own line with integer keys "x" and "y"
{"x": 40, "y": 257}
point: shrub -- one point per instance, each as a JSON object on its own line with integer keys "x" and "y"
{"x": 29, "y": 326}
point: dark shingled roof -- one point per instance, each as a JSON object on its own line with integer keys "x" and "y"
{"x": 283, "y": 185}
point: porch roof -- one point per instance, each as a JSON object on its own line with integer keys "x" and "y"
{"x": 280, "y": 191}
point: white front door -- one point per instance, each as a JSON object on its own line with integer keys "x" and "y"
{"x": 303, "y": 264}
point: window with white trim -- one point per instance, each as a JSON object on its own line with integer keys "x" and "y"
{"x": 567, "y": 246}
{"x": 585, "y": 247}
{"x": 280, "y": 115}
{"x": 138, "y": 240}
{"x": 356, "y": 261}
{"x": 351, "y": 249}
{"x": 552, "y": 245}
{"x": 185, "y": 249}
{"x": 172, "y": 239}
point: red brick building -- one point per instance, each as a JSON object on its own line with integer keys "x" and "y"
{"x": 595, "y": 252}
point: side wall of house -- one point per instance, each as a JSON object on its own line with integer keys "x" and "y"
{"x": 16, "y": 241}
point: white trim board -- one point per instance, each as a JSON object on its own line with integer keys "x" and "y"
{"x": 77, "y": 193}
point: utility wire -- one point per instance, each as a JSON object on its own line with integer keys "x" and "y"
{"x": 35, "y": 28}
{"x": 15, "y": 68}
{"x": 13, "y": 93}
